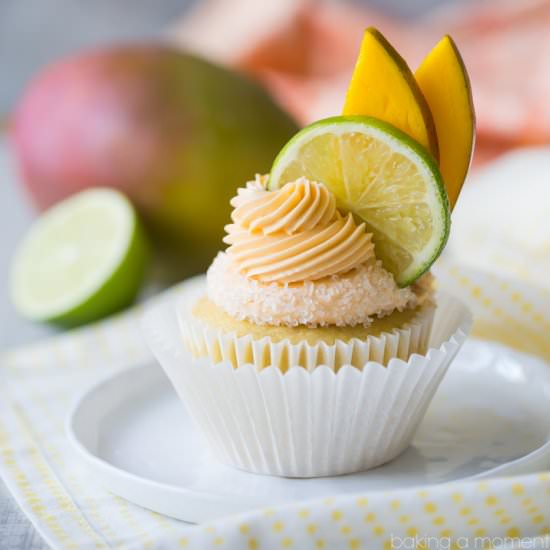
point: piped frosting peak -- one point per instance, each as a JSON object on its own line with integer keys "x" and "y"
{"x": 294, "y": 234}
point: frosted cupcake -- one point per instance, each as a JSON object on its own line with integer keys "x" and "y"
{"x": 302, "y": 274}
{"x": 307, "y": 358}
{"x": 316, "y": 342}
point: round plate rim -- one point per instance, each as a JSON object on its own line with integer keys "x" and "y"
{"x": 95, "y": 462}
{"x": 108, "y": 467}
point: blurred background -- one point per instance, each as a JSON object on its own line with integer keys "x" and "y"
{"x": 32, "y": 36}
{"x": 300, "y": 51}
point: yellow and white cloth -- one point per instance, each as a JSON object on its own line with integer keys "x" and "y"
{"x": 38, "y": 385}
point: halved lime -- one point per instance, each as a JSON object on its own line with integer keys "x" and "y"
{"x": 83, "y": 259}
{"x": 381, "y": 175}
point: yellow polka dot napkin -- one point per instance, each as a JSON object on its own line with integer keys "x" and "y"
{"x": 459, "y": 515}
{"x": 38, "y": 385}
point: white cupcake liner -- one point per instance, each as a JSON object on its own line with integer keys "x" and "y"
{"x": 308, "y": 423}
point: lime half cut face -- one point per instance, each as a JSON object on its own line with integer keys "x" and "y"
{"x": 81, "y": 260}
{"x": 381, "y": 175}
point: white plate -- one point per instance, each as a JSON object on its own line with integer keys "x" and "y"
{"x": 490, "y": 416}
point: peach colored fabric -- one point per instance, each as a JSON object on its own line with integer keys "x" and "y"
{"x": 505, "y": 44}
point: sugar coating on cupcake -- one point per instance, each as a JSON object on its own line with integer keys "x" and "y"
{"x": 295, "y": 260}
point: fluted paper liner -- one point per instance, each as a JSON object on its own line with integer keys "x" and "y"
{"x": 307, "y": 422}
{"x": 202, "y": 340}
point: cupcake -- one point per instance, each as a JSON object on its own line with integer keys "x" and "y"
{"x": 316, "y": 341}
{"x": 301, "y": 274}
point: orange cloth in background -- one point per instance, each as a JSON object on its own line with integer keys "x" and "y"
{"x": 307, "y": 63}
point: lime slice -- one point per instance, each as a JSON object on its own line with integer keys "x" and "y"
{"x": 381, "y": 175}
{"x": 82, "y": 260}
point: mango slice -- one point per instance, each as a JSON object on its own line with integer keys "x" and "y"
{"x": 443, "y": 79}
{"x": 383, "y": 86}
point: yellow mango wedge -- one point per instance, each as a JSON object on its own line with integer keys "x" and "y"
{"x": 443, "y": 79}
{"x": 383, "y": 86}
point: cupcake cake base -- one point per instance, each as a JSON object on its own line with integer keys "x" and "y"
{"x": 210, "y": 332}
{"x": 318, "y": 422}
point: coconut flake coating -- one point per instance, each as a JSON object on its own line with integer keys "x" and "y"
{"x": 355, "y": 298}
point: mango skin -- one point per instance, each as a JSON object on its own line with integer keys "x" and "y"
{"x": 383, "y": 86}
{"x": 444, "y": 81}
{"x": 173, "y": 132}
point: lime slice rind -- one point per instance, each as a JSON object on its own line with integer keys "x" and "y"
{"x": 389, "y": 150}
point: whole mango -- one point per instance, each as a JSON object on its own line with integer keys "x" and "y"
{"x": 174, "y": 132}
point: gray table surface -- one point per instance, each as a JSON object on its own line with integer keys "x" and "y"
{"x": 31, "y": 34}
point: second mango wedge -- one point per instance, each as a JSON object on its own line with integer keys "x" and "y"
{"x": 445, "y": 84}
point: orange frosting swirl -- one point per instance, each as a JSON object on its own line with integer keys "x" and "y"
{"x": 299, "y": 206}
{"x": 294, "y": 234}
